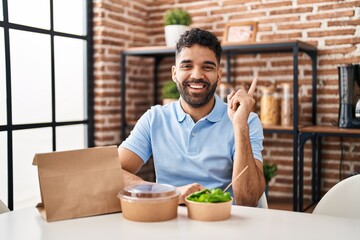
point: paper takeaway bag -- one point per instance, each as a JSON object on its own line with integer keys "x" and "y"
{"x": 79, "y": 183}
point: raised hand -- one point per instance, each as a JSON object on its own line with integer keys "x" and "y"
{"x": 240, "y": 103}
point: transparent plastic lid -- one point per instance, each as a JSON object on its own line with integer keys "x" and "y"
{"x": 149, "y": 190}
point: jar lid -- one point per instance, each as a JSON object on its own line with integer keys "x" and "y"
{"x": 269, "y": 89}
{"x": 286, "y": 85}
{"x": 149, "y": 190}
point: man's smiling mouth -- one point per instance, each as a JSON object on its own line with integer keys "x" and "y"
{"x": 197, "y": 85}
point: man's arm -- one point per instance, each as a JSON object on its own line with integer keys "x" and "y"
{"x": 249, "y": 188}
{"x": 131, "y": 164}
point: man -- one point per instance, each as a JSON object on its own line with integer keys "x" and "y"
{"x": 200, "y": 142}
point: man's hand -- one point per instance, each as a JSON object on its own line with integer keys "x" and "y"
{"x": 187, "y": 190}
{"x": 240, "y": 103}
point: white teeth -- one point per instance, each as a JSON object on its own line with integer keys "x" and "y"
{"x": 196, "y": 86}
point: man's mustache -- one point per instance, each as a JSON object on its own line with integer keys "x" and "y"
{"x": 197, "y": 81}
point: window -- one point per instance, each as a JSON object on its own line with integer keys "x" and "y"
{"x": 45, "y": 88}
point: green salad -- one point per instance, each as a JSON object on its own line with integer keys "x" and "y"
{"x": 210, "y": 196}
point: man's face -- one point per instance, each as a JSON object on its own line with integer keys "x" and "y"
{"x": 196, "y": 74}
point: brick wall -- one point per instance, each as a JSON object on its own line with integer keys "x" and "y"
{"x": 117, "y": 24}
{"x": 332, "y": 26}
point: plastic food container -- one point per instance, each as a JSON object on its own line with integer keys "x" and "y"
{"x": 208, "y": 211}
{"x": 149, "y": 202}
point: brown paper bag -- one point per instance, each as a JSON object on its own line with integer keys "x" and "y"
{"x": 79, "y": 183}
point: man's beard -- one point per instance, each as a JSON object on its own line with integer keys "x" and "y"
{"x": 196, "y": 100}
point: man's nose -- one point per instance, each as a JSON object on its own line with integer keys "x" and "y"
{"x": 197, "y": 73}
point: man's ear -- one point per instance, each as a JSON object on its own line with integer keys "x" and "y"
{"x": 173, "y": 73}
{"x": 219, "y": 76}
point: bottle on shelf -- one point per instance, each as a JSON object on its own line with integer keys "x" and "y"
{"x": 286, "y": 105}
{"x": 357, "y": 109}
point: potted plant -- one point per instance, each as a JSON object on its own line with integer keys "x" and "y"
{"x": 176, "y": 22}
{"x": 170, "y": 92}
{"x": 270, "y": 171}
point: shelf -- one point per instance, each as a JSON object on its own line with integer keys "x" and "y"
{"x": 268, "y": 47}
{"x": 328, "y": 130}
{"x": 278, "y": 128}
{"x": 232, "y": 49}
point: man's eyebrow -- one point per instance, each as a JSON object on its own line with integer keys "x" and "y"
{"x": 210, "y": 62}
{"x": 186, "y": 61}
{"x": 205, "y": 62}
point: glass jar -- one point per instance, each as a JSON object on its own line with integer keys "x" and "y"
{"x": 269, "y": 106}
{"x": 286, "y": 105}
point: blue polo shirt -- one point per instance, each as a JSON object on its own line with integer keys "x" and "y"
{"x": 185, "y": 152}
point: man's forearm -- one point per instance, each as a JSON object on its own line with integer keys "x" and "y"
{"x": 250, "y": 186}
{"x": 130, "y": 178}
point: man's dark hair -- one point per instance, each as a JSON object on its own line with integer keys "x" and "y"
{"x": 203, "y": 38}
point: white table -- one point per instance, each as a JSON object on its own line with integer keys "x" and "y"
{"x": 245, "y": 223}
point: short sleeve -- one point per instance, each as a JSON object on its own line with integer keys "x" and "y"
{"x": 139, "y": 140}
{"x": 256, "y": 135}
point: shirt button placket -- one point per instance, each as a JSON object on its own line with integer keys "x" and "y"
{"x": 192, "y": 143}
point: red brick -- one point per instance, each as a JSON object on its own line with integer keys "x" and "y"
{"x": 291, "y": 10}
{"x": 347, "y": 40}
{"x": 338, "y": 5}
{"x": 331, "y": 33}
{"x": 338, "y": 50}
{"x": 331, "y": 15}
{"x": 300, "y": 26}
{"x": 271, "y": 5}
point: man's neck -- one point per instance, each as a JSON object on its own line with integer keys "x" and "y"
{"x": 198, "y": 113}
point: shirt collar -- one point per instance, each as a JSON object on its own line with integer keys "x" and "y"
{"x": 214, "y": 116}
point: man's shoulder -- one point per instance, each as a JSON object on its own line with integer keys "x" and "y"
{"x": 166, "y": 108}
{"x": 166, "y": 111}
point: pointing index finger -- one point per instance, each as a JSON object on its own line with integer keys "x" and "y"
{"x": 253, "y": 87}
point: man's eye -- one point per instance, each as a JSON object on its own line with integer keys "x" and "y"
{"x": 186, "y": 66}
{"x": 209, "y": 68}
